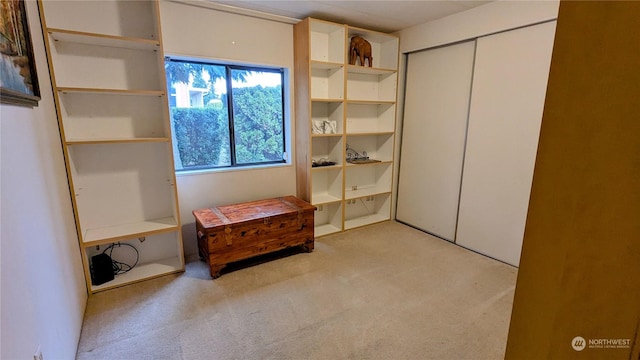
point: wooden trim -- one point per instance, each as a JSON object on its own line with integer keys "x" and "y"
{"x": 65, "y": 150}
{"x": 168, "y": 129}
{"x": 302, "y": 73}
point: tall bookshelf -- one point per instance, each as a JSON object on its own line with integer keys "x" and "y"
{"x": 342, "y": 108}
{"x": 106, "y": 64}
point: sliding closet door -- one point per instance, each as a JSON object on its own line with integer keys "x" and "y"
{"x": 433, "y": 137}
{"x": 509, "y": 86}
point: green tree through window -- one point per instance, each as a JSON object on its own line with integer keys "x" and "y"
{"x": 213, "y": 128}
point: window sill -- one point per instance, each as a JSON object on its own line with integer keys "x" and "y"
{"x": 231, "y": 169}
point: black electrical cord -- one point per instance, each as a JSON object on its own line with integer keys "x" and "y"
{"x": 120, "y": 267}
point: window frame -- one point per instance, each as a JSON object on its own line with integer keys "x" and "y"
{"x": 228, "y": 67}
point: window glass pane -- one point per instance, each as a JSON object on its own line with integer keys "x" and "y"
{"x": 199, "y": 114}
{"x": 257, "y": 116}
{"x": 211, "y": 128}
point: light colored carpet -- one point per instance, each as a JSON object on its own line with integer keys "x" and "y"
{"x": 385, "y": 291}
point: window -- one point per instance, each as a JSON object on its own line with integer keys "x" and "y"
{"x": 225, "y": 115}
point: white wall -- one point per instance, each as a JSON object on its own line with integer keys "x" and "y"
{"x": 42, "y": 281}
{"x": 483, "y": 20}
{"x": 199, "y": 32}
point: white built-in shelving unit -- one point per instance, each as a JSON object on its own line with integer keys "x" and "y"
{"x": 340, "y": 106}
{"x": 106, "y": 64}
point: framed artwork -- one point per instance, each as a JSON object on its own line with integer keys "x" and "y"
{"x": 18, "y": 78}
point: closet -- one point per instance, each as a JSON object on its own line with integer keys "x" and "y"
{"x": 472, "y": 116}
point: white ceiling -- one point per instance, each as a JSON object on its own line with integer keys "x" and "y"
{"x": 380, "y": 15}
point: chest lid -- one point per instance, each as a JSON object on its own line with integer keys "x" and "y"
{"x": 251, "y": 211}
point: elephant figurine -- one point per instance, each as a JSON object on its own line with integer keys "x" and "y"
{"x": 360, "y": 48}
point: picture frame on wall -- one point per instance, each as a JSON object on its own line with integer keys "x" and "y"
{"x": 18, "y": 77}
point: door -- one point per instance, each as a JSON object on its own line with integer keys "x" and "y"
{"x": 436, "y": 107}
{"x": 508, "y": 92}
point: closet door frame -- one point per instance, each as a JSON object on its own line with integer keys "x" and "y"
{"x": 510, "y": 259}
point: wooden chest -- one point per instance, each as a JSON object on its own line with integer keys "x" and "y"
{"x": 236, "y": 232}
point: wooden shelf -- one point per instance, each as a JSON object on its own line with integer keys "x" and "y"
{"x": 326, "y": 229}
{"x": 356, "y": 69}
{"x": 326, "y": 41}
{"x": 143, "y": 272}
{"x": 371, "y": 102}
{"x": 348, "y": 164}
{"x": 327, "y": 83}
{"x": 114, "y": 233}
{"x": 87, "y": 38}
{"x": 366, "y": 180}
{"x": 367, "y": 210}
{"x": 111, "y": 91}
{"x": 324, "y": 65}
{"x": 115, "y": 141}
{"x": 366, "y": 191}
{"x": 366, "y": 117}
{"x": 106, "y": 63}
{"x": 338, "y": 135}
{"x": 361, "y": 102}
{"x": 374, "y": 133}
{"x": 136, "y": 19}
{"x": 322, "y": 199}
{"x": 328, "y": 218}
{"x": 327, "y": 100}
{"x": 371, "y": 86}
{"x": 90, "y": 117}
{"x": 384, "y": 47}
{"x": 326, "y": 168}
{"x": 365, "y": 220}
